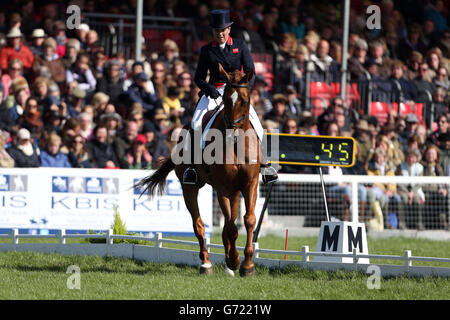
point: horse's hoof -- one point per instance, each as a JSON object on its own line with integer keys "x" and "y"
{"x": 247, "y": 272}
{"x": 206, "y": 269}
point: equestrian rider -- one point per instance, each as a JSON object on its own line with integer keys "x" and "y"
{"x": 232, "y": 54}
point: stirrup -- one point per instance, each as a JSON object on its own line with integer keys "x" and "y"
{"x": 190, "y": 176}
{"x": 269, "y": 175}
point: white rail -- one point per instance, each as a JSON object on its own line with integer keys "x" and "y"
{"x": 148, "y": 253}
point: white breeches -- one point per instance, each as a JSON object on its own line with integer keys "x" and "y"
{"x": 207, "y": 104}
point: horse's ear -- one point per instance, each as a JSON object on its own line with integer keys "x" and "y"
{"x": 224, "y": 74}
{"x": 249, "y": 75}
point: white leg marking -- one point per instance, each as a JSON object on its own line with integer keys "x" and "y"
{"x": 229, "y": 272}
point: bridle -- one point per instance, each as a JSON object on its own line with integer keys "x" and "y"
{"x": 233, "y": 123}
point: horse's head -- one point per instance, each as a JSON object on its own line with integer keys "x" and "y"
{"x": 236, "y": 96}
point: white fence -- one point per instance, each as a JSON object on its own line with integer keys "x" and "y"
{"x": 159, "y": 254}
{"x": 301, "y": 194}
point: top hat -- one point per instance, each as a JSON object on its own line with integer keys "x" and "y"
{"x": 220, "y": 19}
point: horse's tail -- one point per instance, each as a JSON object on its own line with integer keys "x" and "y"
{"x": 157, "y": 179}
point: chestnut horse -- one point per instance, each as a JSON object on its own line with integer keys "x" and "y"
{"x": 228, "y": 178}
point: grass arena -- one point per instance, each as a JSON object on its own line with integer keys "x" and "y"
{"x": 34, "y": 275}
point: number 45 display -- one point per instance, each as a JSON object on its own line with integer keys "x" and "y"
{"x": 295, "y": 149}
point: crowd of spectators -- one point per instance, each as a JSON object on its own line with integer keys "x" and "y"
{"x": 66, "y": 103}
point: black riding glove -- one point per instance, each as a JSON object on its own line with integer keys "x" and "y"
{"x": 214, "y": 93}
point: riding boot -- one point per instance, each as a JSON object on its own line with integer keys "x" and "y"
{"x": 190, "y": 175}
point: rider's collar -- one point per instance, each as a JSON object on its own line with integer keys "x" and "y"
{"x": 229, "y": 42}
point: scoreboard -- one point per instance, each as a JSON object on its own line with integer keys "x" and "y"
{"x": 295, "y": 149}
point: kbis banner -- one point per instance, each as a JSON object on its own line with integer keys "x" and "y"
{"x": 84, "y": 199}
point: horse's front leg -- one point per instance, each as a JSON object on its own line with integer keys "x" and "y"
{"x": 230, "y": 206}
{"x": 248, "y": 267}
{"x": 190, "y": 193}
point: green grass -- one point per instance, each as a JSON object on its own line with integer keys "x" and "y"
{"x": 43, "y": 276}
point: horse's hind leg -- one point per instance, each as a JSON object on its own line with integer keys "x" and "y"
{"x": 248, "y": 267}
{"x": 190, "y": 193}
{"x": 229, "y": 206}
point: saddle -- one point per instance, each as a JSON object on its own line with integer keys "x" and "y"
{"x": 208, "y": 120}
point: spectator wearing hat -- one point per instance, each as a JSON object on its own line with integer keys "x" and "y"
{"x": 82, "y": 31}
{"x": 411, "y": 125}
{"x": 141, "y": 91}
{"x": 279, "y": 113}
{"x": 100, "y": 151}
{"x": 15, "y": 49}
{"x": 25, "y": 153}
{"x": 412, "y": 65}
{"x": 50, "y": 59}
{"x": 111, "y": 83}
{"x": 358, "y": 59}
{"x": 160, "y": 120}
{"x": 362, "y": 136}
{"x": 80, "y": 72}
{"x": 138, "y": 157}
{"x": 170, "y": 53}
{"x": 72, "y": 50}
{"x": 412, "y": 194}
{"x": 52, "y": 156}
{"x": 389, "y": 131}
{"x": 261, "y": 85}
{"x": 59, "y": 34}
{"x": 37, "y": 38}
{"x": 74, "y": 100}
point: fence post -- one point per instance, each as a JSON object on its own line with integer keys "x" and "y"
{"x": 15, "y": 236}
{"x": 62, "y": 236}
{"x": 256, "y": 249}
{"x": 109, "y": 238}
{"x": 158, "y": 242}
{"x": 354, "y": 202}
{"x": 305, "y": 251}
{"x": 408, "y": 262}
{"x": 355, "y": 256}
{"x": 207, "y": 243}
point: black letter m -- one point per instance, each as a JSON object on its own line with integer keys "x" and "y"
{"x": 356, "y": 241}
{"x": 330, "y": 240}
